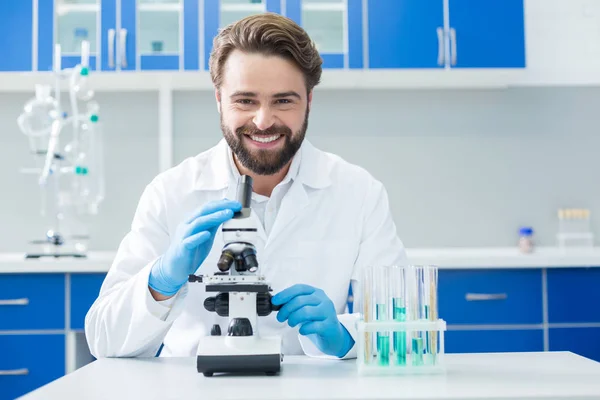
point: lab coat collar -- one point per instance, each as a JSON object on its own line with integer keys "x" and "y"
{"x": 313, "y": 170}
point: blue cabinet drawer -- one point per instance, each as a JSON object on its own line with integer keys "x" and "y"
{"x": 29, "y": 362}
{"x": 490, "y": 296}
{"x": 573, "y": 295}
{"x": 32, "y": 301}
{"x": 84, "y": 291}
{"x": 582, "y": 341}
{"x": 494, "y": 341}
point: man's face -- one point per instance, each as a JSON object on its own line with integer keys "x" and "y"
{"x": 264, "y": 110}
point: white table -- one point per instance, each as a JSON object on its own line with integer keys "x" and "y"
{"x": 561, "y": 375}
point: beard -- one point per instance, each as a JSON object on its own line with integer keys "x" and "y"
{"x": 263, "y": 161}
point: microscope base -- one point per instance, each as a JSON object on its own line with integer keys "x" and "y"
{"x": 239, "y": 355}
{"x": 269, "y": 364}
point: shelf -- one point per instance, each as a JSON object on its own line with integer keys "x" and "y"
{"x": 64, "y": 9}
{"x": 331, "y": 80}
{"x": 444, "y": 258}
{"x": 160, "y": 7}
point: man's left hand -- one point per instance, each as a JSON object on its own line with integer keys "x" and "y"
{"x": 311, "y": 308}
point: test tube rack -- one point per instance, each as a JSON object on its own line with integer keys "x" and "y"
{"x": 574, "y": 228}
{"x": 426, "y": 359}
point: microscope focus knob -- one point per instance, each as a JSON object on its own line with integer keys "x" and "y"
{"x": 240, "y": 327}
{"x": 218, "y": 304}
{"x": 264, "y": 305}
{"x": 216, "y": 330}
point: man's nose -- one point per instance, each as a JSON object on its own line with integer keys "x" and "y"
{"x": 264, "y": 118}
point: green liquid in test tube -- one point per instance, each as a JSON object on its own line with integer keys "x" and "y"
{"x": 417, "y": 351}
{"x": 383, "y": 338}
{"x": 399, "y": 337}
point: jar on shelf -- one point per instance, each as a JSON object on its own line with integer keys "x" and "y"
{"x": 526, "y": 239}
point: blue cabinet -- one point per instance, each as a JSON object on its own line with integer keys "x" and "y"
{"x": 406, "y": 33}
{"x": 124, "y": 35}
{"x": 485, "y": 297}
{"x": 220, "y": 13}
{"x": 16, "y": 41}
{"x": 32, "y": 302}
{"x": 168, "y": 34}
{"x": 487, "y": 34}
{"x": 494, "y": 341}
{"x": 129, "y": 35}
{"x": 85, "y": 289}
{"x": 582, "y": 341}
{"x": 68, "y": 24}
{"x": 446, "y": 33}
{"x": 335, "y": 26}
{"x": 573, "y": 295}
{"x": 29, "y": 361}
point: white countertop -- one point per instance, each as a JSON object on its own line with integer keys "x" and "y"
{"x": 483, "y": 257}
{"x": 498, "y": 376}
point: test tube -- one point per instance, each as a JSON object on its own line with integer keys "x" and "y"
{"x": 366, "y": 296}
{"x": 397, "y": 280}
{"x": 382, "y": 313}
{"x": 433, "y": 310}
{"x": 418, "y": 341}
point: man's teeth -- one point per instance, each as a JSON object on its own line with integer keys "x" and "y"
{"x": 265, "y": 139}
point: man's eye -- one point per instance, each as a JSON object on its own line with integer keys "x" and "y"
{"x": 245, "y": 101}
{"x": 283, "y": 101}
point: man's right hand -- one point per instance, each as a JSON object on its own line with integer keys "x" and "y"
{"x": 189, "y": 247}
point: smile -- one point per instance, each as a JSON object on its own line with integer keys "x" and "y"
{"x": 265, "y": 139}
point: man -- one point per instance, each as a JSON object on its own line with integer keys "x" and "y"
{"x": 321, "y": 219}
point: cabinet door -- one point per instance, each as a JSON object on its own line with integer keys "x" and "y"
{"x": 220, "y": 13}
{"x": 573, "y": 295}
{"x": 69, "y": 23}
{"x": 168, "y": 34}
{"x": 582, "y": 341}
{"x": 85, "y": 289}
{"x": 494, "y": 341}
{"x": 487, "y": 34}
{"x": 406, "y": 33}
{"x": 334, "y": 25}
{"x": 16, "y": 39}
{"x": 29, "y": 362}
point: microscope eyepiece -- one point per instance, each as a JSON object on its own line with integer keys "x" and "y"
{"x": 244, "y": 191}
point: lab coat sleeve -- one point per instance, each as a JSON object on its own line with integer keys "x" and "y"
{"x": 125, "y": 320}
{"x": 379, "y": 245}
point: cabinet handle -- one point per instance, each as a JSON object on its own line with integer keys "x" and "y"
{"x": 21, "y": 371}
{"x": 111, "y": 48}
{"x": 123, "y": 47}
{"x": 14, "y": 302}
{"x": 440, "y": 35}
{"x": 485, "y": 297}
{"x": 453, "y": 45}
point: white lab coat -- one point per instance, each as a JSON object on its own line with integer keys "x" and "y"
{"x": 334, "y": 220}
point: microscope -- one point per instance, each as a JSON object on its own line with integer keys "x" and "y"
{"x": 242, "y": 295}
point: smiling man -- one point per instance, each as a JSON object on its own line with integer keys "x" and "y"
{"x": 321, "y": 219}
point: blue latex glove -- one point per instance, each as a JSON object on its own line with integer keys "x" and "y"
{"x": 311, "y": 308}
{"x": 190, "y": 246}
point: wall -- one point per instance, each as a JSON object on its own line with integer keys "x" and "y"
{"x": 462, "y": 167}
{"x": 130, "y": 125}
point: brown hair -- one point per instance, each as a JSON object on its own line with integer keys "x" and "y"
{"x": 268, "y": 34}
